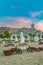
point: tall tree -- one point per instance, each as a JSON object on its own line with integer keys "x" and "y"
{"x": 6, "y": 33}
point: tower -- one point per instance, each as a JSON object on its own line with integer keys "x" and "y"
{"x": 32, "y": 26}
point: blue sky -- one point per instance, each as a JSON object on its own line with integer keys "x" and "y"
{"x": 22, "y": 9}
{"x": 19, "y": 7}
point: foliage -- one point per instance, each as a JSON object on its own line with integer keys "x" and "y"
{"x": 42, "y": 36}
{"x": 18, "y": 36}
{"x": 14, "y": 37}
{"x": 1, "y": 35}
{"x": 6, "y": 33}
{"x": 25, "y": 36}
{"x": 30, "y": 34}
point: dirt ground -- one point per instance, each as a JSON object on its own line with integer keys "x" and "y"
{"x": 31, "y": 58}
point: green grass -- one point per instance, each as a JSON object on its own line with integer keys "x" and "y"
{"x": 32, "y": 58}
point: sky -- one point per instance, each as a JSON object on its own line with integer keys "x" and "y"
{"x": 20, "y": 13}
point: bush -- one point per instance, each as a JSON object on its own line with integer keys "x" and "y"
{"x": 25, "y": 36}
{"x": 31, "y": 34}
{"x": 14, "y": 37}
{"x": 18, "y": 36}
{"x": 42, "y": 36}
{"x": 1, "y": 35}
{"x": 6, "y": 33}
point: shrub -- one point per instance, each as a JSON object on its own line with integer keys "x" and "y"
{"x": 30, "y": 34}
{"x": 18, "y": 36}
{"x": 14, "y": 37}
{"x": 6, "y": 33}
{"x": 1, "y": 35}
{"x": 25, "y": 36}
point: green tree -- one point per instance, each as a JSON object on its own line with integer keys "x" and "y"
{"x": 1, "y": 35}
{"x": 30, "y": 34}
{"x": 14, "y": 37}
{"x": 6, "y": 33}
{"x": 18, "y": 36}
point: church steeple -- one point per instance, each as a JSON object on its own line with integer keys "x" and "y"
{"x": 32, "y": 26}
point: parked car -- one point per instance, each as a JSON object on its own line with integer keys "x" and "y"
{"x": 32, "y": 48}
{"x": 10, "y": 51}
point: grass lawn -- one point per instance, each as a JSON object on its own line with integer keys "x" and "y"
{"x": 32, "y": 58}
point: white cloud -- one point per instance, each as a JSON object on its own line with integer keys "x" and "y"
{"x": 16, "y": 22}
{"x": 36, "y": 13}
{"x": 13, "y": 6}
{"x": 39, "y": 25}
